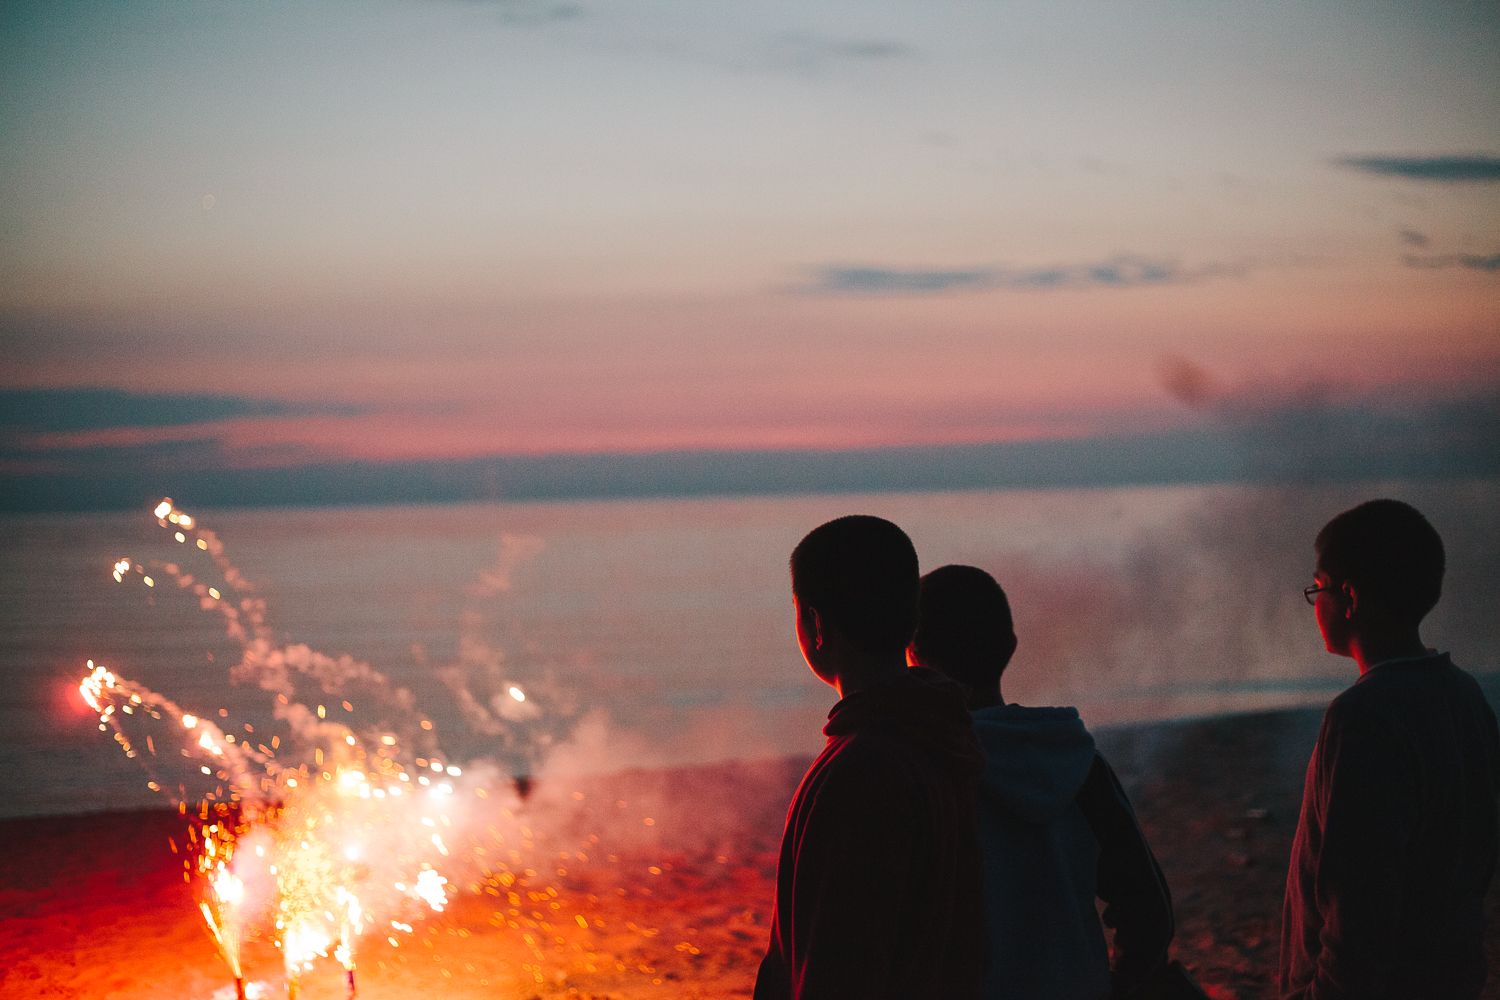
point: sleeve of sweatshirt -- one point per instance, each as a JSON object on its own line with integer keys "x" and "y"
{"x": 1369, "y": 814}
{"x": 1138, "y": 903}
{"x": 852, "y": 862}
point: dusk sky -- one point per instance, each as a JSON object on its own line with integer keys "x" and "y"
{"x": 393, "y": 231}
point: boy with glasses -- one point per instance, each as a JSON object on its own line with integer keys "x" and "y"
{"x": 1397, "y": 840}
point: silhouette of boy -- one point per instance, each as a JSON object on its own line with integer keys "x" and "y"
{"x": 1055, "y": 827}
{"x": 878, "y": 884}
{"x": 1398, "y": 835}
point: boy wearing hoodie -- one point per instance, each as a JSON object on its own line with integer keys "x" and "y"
{"x": 878, "y": 885}
{"x": 1055, "y": 827}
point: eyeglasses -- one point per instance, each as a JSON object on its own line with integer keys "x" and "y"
{"x": 1311, "y": 593}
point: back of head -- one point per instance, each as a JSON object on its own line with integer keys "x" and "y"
{"x": 1391, "y": 555}
{"x": 860, "y": 574}
{"x": 964, "y": 626}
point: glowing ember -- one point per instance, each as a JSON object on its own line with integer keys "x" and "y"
{"x": 299, "y": 946}
{"x": 94, "y": 684}
{"x": 430, "y": 887}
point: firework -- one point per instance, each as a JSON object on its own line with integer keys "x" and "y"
{"x": 304, "y": 879}
{"x": 222, "y": 917}
{"x": 311, "y": 806}
{"x": 300, "y": 945}
{"x": 349, "y": 926}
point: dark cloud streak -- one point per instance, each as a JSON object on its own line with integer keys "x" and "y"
{"x": 1472, "y": 261}
{"x": 531, "y": 13}
{"x": 1447, "y": 169}
{"x": 43, "y": 411}
{"x": 1120, "y": 272}
{"x": 810, "y": 55}
{"x": 860, "y": 280}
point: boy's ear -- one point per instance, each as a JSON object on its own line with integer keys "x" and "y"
{"x": 1351, "y": 598}
{"x": 811, "y": 624}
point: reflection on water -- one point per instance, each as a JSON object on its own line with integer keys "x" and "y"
{"x": 659, "y": 632}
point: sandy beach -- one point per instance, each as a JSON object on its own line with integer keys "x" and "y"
{"x": 96, "y": 906}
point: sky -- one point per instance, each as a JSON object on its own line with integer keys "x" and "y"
{"x": 266, "y": 236}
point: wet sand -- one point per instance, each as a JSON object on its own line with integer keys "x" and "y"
{"x": 96, "y": 906}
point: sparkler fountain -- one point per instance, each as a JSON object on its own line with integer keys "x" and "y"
{"x": 321, "y": 826}
{"x": 302, "y": 814}
{"x": 221, "y": 907}
{"x": 221, "y": 891}
{"x": 349, "y": 926}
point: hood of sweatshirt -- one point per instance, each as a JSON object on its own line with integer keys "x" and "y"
{"x": 921, "y": 707}
{"x": 1036, "y": 759}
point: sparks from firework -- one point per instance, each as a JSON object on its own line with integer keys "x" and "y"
{"x": 321, "y": 835}
{"x": 350, "y": 926}
{"x": 300, "y": 945}
{"x": 223, "y": 757}
{"x": 301, "y": 877}
{"x": 305, "y": 874}
{"x": 268, "y": 665}
{"x": 342, "y": 789}
{"x": 511, "y": 717}
{"x": 220, "y": 890}
{"x": 221, "y": 904}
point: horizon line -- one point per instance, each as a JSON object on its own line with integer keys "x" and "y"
{"x": 1336, "y": 448}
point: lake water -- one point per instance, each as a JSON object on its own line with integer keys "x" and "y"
{"x": 656, "y": 633}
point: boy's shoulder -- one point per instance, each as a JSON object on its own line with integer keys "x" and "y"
{"x": 868, "y": 770}
{"x": 1399, "y": 692}
{"x": 870, "y": 755}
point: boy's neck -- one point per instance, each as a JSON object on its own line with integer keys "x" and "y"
{"x": 1372, "y": 648}
{"x": 985, "y": 697}
{"x": 862, "y": 672}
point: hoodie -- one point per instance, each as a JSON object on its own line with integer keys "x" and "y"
{"x": 1056, "y": 830}
{"x": 878, "y": 884}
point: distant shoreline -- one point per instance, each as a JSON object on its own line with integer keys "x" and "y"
{"x": 1372, "y": 447}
